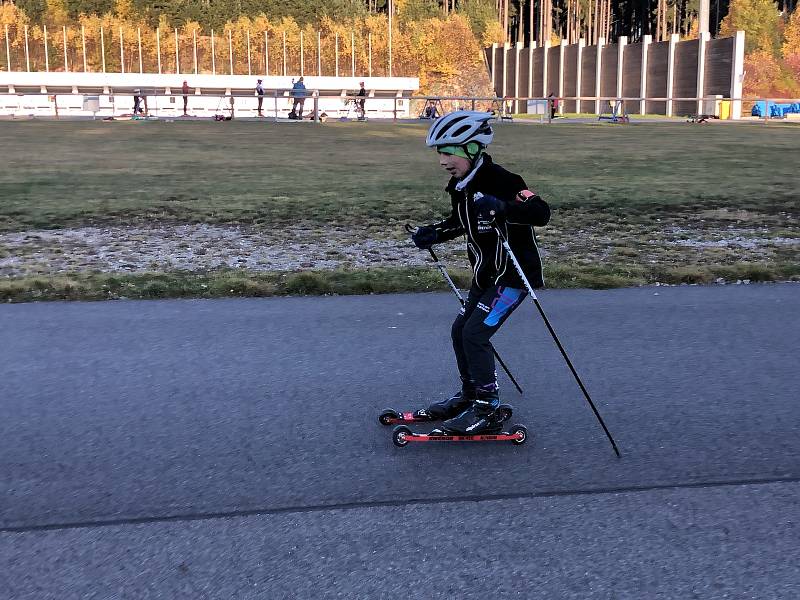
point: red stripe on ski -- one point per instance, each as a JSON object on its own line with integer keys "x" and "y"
{"x": 500, "y": 437}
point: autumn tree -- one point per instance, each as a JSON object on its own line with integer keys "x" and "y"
{"x": 791, "y": 45}
{"x": 760, "y": 21}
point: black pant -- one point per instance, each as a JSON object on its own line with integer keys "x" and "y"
{"x": 485, "y": 311}
{"x": 260, "y": 101}
{"x": 298, "y": 102}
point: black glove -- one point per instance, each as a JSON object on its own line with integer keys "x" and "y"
{"x": 489, "y": 207}
{"x": 424, "y": 237}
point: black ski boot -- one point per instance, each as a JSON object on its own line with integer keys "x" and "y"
{"x": 481, "y": 418}
{"x": 454, "y": 405}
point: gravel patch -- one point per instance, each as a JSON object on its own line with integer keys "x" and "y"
{"x": 197, "y": 248}
{"x": 203, "y": 247}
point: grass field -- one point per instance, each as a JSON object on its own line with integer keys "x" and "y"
{"x": 669, "y": 202}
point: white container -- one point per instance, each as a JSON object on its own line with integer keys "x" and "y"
{"x": 537, "y": 107}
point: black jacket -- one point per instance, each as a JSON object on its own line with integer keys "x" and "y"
{"x": 489, "y": 260}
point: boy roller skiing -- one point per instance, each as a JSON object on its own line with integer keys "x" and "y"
{"x": 486, "y": 199}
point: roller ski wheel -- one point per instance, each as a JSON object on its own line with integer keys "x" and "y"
{"x": 394, "y": 417}
{"x": 521, "y": 432}
{"x": 402, "y": 436}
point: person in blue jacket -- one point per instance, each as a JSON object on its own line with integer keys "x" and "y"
{"x": 299, "y": 94}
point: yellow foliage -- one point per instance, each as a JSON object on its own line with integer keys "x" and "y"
{"x": 442, "y": 52}
{"x": 56, "y": 11}
{"x": 124, "y": 9}
{"x": 694, "y": 30}
{"x": 791, "y": 36}
{"x": 493, "y": 34}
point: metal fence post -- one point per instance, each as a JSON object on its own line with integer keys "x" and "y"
{"x": 8, "y": 51}
{"x": 83, "y": 45}
{"x": 230, "y": 49}
{"x": 46, "y": 54}
{"x": 66, "y": 62}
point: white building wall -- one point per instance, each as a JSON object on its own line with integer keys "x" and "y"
{"x": 41, "y": 93}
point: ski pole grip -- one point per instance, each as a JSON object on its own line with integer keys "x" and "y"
{"x": 411, "y": 229}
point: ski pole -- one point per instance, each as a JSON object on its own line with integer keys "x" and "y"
{"x": 463, "y": 302}
{"x": 517, "y": 266}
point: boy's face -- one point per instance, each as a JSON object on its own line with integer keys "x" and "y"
{"x": 457, "y": 166}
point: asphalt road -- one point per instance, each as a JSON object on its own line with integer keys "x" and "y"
{"x": 230, "y": 449}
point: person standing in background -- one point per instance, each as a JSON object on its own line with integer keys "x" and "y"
{"x": 299, "y": 95}
{"x": 362, "y": 100}
{"x": 185, "y": 90}
{"x": 137, "y": 102}
{"x": 553, "y": 102}
{"x": 260, "y": 92}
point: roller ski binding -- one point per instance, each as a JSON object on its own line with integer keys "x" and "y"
{"x": 394, "y": 417}
{"x": 481, "y": 422}
{"x": 441, "y": 411}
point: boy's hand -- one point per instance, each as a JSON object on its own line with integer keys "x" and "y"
{"x": 424, "y": 237}
{"x": 489, "y": 207}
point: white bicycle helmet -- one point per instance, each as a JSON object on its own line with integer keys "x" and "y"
{"x": 459, "y": 128}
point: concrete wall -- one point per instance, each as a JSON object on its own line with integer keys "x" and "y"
{"x": 588, "y": 78}
{"x": 553, "y": 69}
{"x": 570, "y": 77}
{"x": 685, "y": 82}
{"x": 657, "y": 67}
{"x": 608, "y": 73}
{"x": 538, "y": 72}
{"x": 719, "y": 66}
{"x": 632, "y": 73}
{"x": 668, "y": 69}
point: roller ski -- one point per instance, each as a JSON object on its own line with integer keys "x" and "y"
{"x": 481, "y": 422}
{"x": 441, "y": 411}
{"x": 402, "y": 436}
